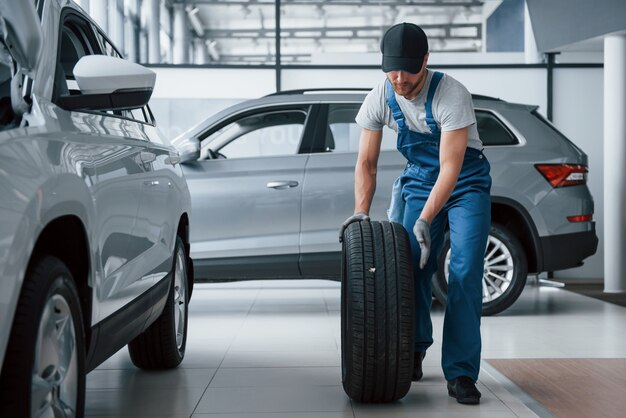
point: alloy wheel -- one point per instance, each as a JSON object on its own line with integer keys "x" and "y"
{"x": 54, "y": 389}
{"x": 180, "y": 298}
{"x": 498, "y": 270}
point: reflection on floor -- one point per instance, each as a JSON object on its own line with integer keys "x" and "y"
{"x": 270, "y": 349}
{"x": 596, "y": 290}
{"x": 571, "y": 387}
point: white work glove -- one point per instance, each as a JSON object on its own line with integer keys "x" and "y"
{"x": 422, "y": 233}
{"x": 358, "y": 216}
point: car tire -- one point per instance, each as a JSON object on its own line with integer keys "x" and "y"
{"x": 162, "y": 345}
{"x": 377, "y": 312}
{"x": 510, "y": 266}
{"x": 44, "y": 364}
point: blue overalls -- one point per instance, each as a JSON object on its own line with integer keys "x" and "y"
{"x": 468, "y": 212}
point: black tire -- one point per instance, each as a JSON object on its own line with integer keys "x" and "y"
{"x": 162, "y": 345}
{"x": 377, "y": 312}
{"x": 519, "y": 271}
{"x": 48, "y": 306}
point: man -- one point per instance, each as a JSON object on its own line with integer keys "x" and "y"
{"x": 446, "y": 180}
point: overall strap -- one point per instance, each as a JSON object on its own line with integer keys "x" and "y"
{"x": 390, "y": 98}
{"x": 430, "y": 119}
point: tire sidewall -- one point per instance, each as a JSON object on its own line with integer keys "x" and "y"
{"x": 185, "y": 281}
{"x": 46, "y": 282}
{"x": 156, "y": 347}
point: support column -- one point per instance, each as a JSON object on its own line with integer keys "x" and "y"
{"x": 181, "y": 30}
{"x": 531, "y": 54}
{"x": 168, "y": 28}
{"x": 100, "y": 13}
{"x": 201, "y": 54}
{"x": 153, "y": 26}
{"x": 133, "y": 26}
{"x": 614, "y": 163}
{"x": 116, "y": 24}
{"x": 278, "y": 62}
{"x": 143, "y": 46}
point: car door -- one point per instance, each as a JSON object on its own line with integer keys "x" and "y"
{"x": 328, "y": 192}
{"x": 156, "y": 220}
{"x": 246, "y": 192}
{"x": 116, "y": 186}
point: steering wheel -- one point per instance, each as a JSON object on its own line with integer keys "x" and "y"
{"x": 216, "y": 155}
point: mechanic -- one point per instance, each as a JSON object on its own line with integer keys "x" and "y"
{"x": 446, "y": 180}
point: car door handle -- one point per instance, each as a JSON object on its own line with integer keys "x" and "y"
{"x": 282, "y": 185}
{"x": 151, "y": 183}
{"x": 147, "y": 157}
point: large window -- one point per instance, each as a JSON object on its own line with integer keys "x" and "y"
{"x": 311, "y": 32}
{"x": 342, "y": 33}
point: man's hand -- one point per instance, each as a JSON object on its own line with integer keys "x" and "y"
{"x": 358, "y": 216}
{"x": 422, "y": 233}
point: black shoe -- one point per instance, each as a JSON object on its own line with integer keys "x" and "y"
{"x": 417, "y": 366}
{"x": 464, "y": 390}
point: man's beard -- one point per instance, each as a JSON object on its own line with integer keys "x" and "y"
{"x": 406, "y": 88}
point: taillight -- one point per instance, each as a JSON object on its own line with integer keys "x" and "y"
{"x": 580, "y": 218}
{"x": 561, "y": 175}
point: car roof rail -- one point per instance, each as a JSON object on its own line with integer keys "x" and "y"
{"x": 318, "y": 90}
{"x": 483, "y": 97}
{"x": 358, "y": 89}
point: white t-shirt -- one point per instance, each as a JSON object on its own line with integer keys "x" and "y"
{"x": 452, "y": 109}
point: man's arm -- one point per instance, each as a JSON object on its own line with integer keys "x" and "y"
{"x": 451, "y": 154}
{"x": 365, "y": 171}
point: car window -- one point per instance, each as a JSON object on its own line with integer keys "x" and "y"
{"x": 80, "y": 38}
{"x": 492, "y": 131}
{"x": 6, "y": 111}
{"x": 259, "y": 135}
{"x": 343, "y": 134}
{"x": 73, "y": 48}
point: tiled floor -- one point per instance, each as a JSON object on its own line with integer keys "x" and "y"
{"x": 270, "y": 349}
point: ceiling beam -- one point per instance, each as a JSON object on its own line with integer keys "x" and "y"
{"x": 378, "y": 3}
{"x": 340, "y": 32}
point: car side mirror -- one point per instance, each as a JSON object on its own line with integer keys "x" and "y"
{"x": 188, "y": 148}
{"x": 109, "y": 83}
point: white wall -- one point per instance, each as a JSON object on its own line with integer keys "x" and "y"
{"x": 202, "y": 83}
{"x": 185, "y": 96}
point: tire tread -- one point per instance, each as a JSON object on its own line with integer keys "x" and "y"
{"x": 377, "y": 312}
{"x": 156, "y": 347}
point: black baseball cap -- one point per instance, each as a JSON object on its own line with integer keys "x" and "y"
{"x": 404, "y": 47}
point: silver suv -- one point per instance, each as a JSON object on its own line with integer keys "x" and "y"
{"x": 93, "y": 213}
{"x": 272, "y": 179}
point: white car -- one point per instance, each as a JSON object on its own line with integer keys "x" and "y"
{"x": 94, "y": 213}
